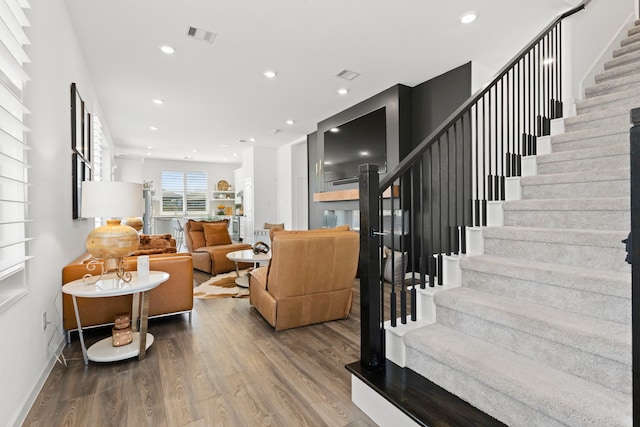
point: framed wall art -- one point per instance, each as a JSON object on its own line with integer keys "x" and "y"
{"x": 81, "y": 148}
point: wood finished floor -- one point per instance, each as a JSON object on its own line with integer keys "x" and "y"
{"x": 227, "y": 368}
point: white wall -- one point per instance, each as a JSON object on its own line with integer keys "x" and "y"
{"x": 28, "y": 353}
{"x": 259, "y": 169}
{"x": 587, "y": 50}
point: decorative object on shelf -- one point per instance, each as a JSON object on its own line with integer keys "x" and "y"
{"x": 111, "y": 242}
{"x": 228, "y": 210}
{"x": 121, "y": 334}
{"x": 223, "y": 185}
{"x": 220, "y": 210}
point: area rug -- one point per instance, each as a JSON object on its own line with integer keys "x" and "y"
{"x": 221, "y": 286}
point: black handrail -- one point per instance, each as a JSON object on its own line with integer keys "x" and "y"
{"x": 415, "y": 154}
{"x": 445, "y": 183}
{"x": 633, "y": 257}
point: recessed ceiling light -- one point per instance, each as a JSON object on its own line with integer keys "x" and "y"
{"x": 270, "y": 74}
{"x": 225, "y": 160}
{"x": 343, "y": 91}
{"x": 468, "y": 18}
{"x": 290, "y": 122}
{"x": 274, "y": 131}
{"x": 188, "y": 157}
{"x": 334, "y": 130}
{"x": 149, "y": 147}
{"x": 235, "y": 154}
{"x": 252, "y": 140}
{"x": 158, "y": 101}
{"x": 167, "y": 49}
{"x": 364, "y": 153}
{"x": 153, "y": 127}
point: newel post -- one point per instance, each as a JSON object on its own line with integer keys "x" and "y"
{"x": 633, "y": 248}
{"x": 371, "y": 333}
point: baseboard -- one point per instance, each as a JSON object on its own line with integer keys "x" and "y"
{"x": 21, "y": 415}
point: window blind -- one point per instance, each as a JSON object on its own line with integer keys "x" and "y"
{"x": 14, "y": 182}
{"x": 184, "y": 191}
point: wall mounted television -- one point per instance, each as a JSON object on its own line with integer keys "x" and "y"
{"x": 346, "y": 147}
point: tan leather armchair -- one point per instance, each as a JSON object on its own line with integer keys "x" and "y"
{"x": 309, "y": 279}
{"x": 211, "y": 259}
{"x": 173, "y": 296}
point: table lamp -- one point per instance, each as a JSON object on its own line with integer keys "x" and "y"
{"x": 112, "y": 242}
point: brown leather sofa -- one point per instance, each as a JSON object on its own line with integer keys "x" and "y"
{"x": 309, "y": 279}
{"x": 211, "y": 259}
{"x": 171, "y": 297}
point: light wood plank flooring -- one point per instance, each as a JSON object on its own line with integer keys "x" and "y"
{"x": 227, "y": 368}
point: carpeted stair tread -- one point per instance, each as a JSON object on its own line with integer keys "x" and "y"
{"x": 633, "y": 47}
{"x": 589, "y": 138}
{"x": 587, "y": 153}
{"x": 631, "y": 39}
{"x": 613, "y": 85}
{"x": 627, "y": 98}
{"x": 583, "y": 184}
{"x": 451, "y": 358}
{"x": 586, "y": 279}
{"x": 622, "y": 60}
{"x": 634, "y": 30}
{"x": 597, "y": 214}
{"x": 620, "y": 71}
{"x": 598, "y": 238}
{"x": 611, "y": 340}
{"x": 588, "y": 159}
{"x": 599, "y": 249}
{"x": 596, "y": 293}
{"x": 618, "y": 116}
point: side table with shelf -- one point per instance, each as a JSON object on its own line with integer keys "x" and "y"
{"x": 110, "y": 285}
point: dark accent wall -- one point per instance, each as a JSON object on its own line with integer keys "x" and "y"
{"x": 412, "y": 114}
{"x": 434, "y": 100}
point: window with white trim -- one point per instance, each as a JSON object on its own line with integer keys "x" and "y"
{"x": 184, "y": 192}
{"x": 14, "y": 196}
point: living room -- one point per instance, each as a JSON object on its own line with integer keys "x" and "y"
{"x": 278, "y": 172}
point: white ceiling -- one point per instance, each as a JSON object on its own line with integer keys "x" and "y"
{"x": 215, "y": 94}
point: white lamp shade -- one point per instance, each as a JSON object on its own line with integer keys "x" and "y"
{"x": 111, "y": 199}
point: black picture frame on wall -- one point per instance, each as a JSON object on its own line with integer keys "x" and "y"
{"x": 81, "y": 148}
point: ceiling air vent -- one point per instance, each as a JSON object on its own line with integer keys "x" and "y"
{"x": 200, "y": 34}
{"x": 347, "y": 74}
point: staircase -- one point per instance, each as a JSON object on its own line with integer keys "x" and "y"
{"x": 539, "y": 332}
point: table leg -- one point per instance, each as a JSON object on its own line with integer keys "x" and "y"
{"x": 144, "y": 309}
{"x": 237, "y": 269}
{"x": 135, "y": 312}
{"x": 84, "y": 348}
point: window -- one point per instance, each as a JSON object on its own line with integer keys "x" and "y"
{"x": 14, "y": 197}
{"x": 184, "y": 192}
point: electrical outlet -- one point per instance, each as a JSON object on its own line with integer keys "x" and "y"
{"x": 44, "y": 321}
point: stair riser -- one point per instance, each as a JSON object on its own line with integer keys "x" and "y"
{"x": 579, "y": 123}
{"x": 526, "y": 288}
{"x": 510, "y": 411}
{"x": 593, "y": 220}
{"x": 559, "y": 253}
{"x": 577, "y": 190}
{"x": 579, "y": 362}
{"x": 583, "y": 165}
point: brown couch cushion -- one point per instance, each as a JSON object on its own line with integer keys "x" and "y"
{"x": 216, "y": 234}
{"x": 195, "y": 238}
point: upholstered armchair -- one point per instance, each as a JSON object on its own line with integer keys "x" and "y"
{"x": 209, "y": 243}
{"x": 309, "y": 279}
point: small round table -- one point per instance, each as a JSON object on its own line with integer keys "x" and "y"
{"x": 247, "y": 255}
{"x": 109, "y": 286}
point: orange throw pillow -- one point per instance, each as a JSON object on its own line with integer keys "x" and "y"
{"x": 216, "y": 234}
